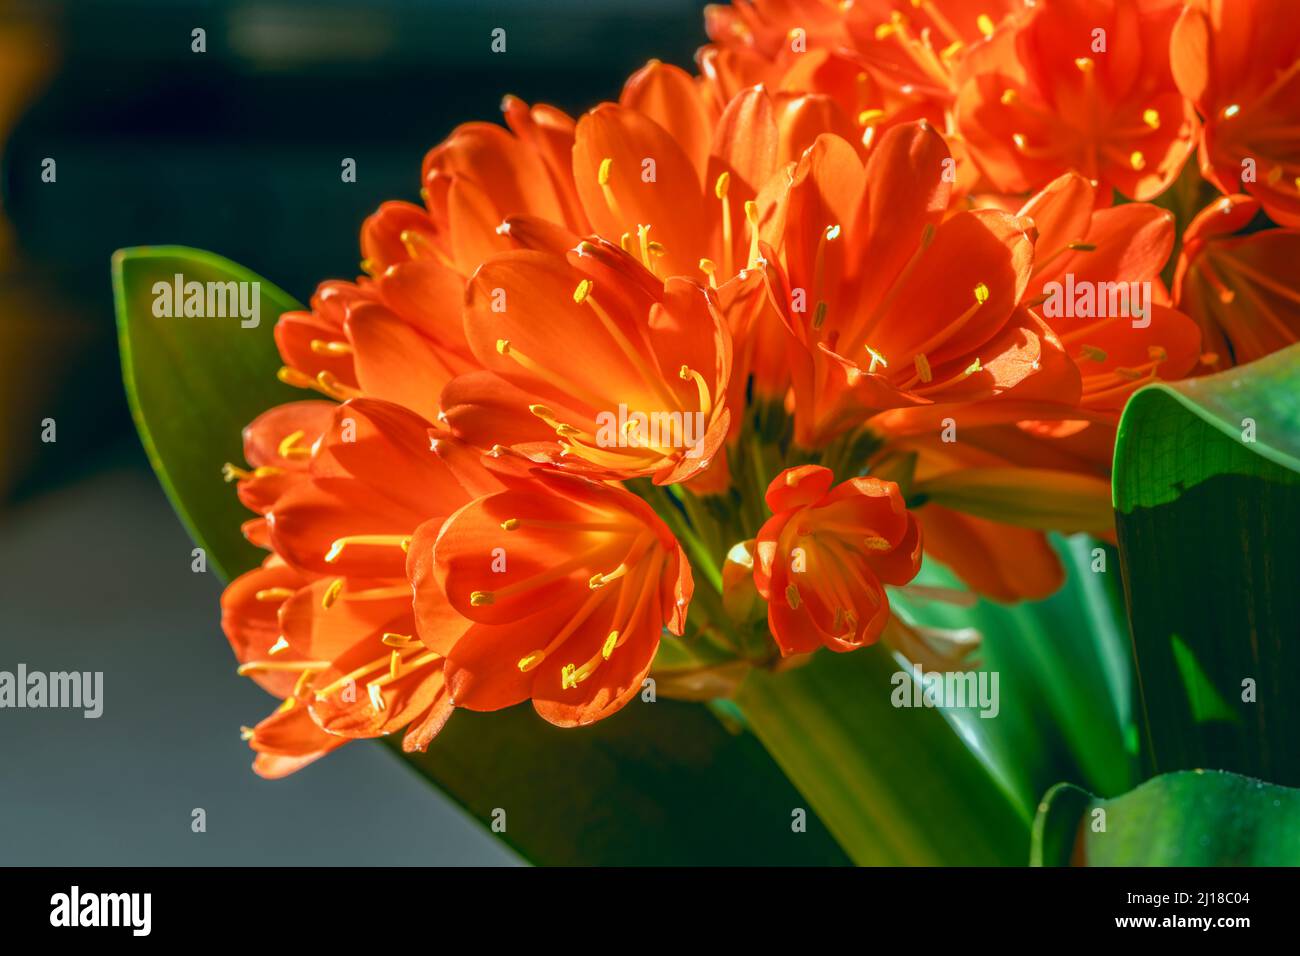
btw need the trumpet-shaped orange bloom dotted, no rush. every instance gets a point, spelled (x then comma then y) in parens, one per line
(396, 334)
(897, 307)
(1239, 62)
(1125, 335)
(556, 590)
(1091, 91)
(1242, 290)
(327, 622)
(592, 364)
(824, 555)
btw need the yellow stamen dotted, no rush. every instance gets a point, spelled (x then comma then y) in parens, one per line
(274, 594)
(876, 359)
(529, 661)
(1137, 160)
(331, 593)
(985, 24)
(375, 540)
(323, 347)
(397, 640)
(923, 371)
(481, 598)
(1151, 118)
(289, 447)
(687, 374)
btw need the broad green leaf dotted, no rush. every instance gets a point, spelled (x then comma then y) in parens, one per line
(1207, 499)
(895, 785)
(661, 782)
(1065, 679)
(1187, 818)
(193, 384)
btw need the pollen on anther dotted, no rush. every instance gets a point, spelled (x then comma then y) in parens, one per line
(985, 24)
(602, 175)
(981, 293)
(510, 524)
(582, 291)
(1151, 118)
(481, 598)
(331, 593)
(1137, 160)
(722, 185)
(503, 346)
(611, 642)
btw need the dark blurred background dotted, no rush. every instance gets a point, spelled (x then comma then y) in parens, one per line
(236, 150)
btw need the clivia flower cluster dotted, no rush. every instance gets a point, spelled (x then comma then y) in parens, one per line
(721, 362)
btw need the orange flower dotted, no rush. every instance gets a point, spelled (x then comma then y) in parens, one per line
(396, 334)
(1113, 259)
(1092, 92)
(1243, 290)
(896, 307)
(1239, 62)
(592, 364)
(824, 553)
(555, 590)
(326, 623)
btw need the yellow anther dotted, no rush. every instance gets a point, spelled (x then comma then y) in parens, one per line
(1137, 160)
(708, 266)
(876, 359)
(722, 185)
(1230, 111)
(951, 50)
(510, 524)
(375, 540)
(1009, 97)
(529, 661)
(792, 597)
(870, 117)
(503, 346)
(582, 291)
(751, 212)
(481, 598)
(974, 367)
(331, 593)
(602, 175)
(874, 542)
(568, 676)
(330, 347)
(1019, 140)
(1151, 118)
(985, 24)
(923, 371)
(981, 293)
(1084, 63)
(247, 733)
(611, 642)
(274, 594)
(289, 448)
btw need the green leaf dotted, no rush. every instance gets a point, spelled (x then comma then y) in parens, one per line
(1207, 495)
(193, 384)
(661, 782)
(1064, 678)
(1187, 818)
(895, 785)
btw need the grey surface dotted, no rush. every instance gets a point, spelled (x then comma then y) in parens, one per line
(96, 577)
